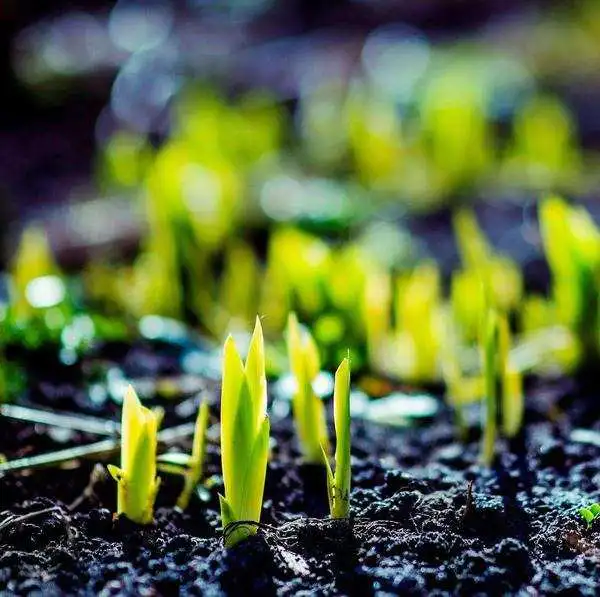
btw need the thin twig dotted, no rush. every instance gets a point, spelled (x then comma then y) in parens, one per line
(16, 519)
(98, 473)
(102, 448)
(72, 421)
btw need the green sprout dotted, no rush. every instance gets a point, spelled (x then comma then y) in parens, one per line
(338, 484)
(309, 410)
(136, 478)
(417, 307)
(543, 152)
(572, 247)
(376, 312)
(501, 277)
(513, 403)
(490, 372)
(502, 383)
(33, 260)
(590, 513)
(195, 467)
(461, 389)
(244, 438)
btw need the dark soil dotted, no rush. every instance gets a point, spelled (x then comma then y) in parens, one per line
(427, 519)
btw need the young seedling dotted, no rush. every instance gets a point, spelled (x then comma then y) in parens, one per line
(590, 513)
(461, 389)
(417, 309)
(376, 311)
(572, 247)
(501, 276)
(33, 260)
(513, 403)
(196, 463)
(244, 438)
(136, 478)
(491, 342)
(338, 484)
(308, 408)
(503, 385)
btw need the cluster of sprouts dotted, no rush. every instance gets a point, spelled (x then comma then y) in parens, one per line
(480, 339)
(245, 445)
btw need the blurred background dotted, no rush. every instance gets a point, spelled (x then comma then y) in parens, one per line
(419, 102)
(188, 156)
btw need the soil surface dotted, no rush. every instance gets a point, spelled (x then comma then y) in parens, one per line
(426, 517)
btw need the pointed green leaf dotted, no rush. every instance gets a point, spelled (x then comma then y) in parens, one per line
(254, 479)
(587, 515)
(227, 514)
(490, 370)
(255, 374)
(115, 472)
(231, 389)
(199, 445)
(341, 405)
(330, 480)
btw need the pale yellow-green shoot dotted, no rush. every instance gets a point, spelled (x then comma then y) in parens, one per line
(572, 246)
(461, 389)
(513, 404)
(501, 276)
(338, 483)
(195, 467)
(417, 308)
(376, 312)
(244, 438)
(136, 478)
(241, 270)
(308, 408)
(503, 385)
(544, 152)
(491, 366)
(33, 260)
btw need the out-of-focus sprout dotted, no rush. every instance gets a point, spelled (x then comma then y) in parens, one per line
(195, 467)
(375, 137)
(254, 128)
(376, 310)
(455, 130)
(33, 265)
(501, 277)
(325, 139)
(300, 262)
(536, 313)
(308, 408)
(241, 271)
(572, 247)
(338, 483)
(513, 403)
(417, 308)
(244, 438)
(544, 152)
(503, 385)
(124, 160)
(152, 285)
(493, 365)
(461, 389)
(349, 267)
(510, 381)
(136, 478)
(467, 300)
